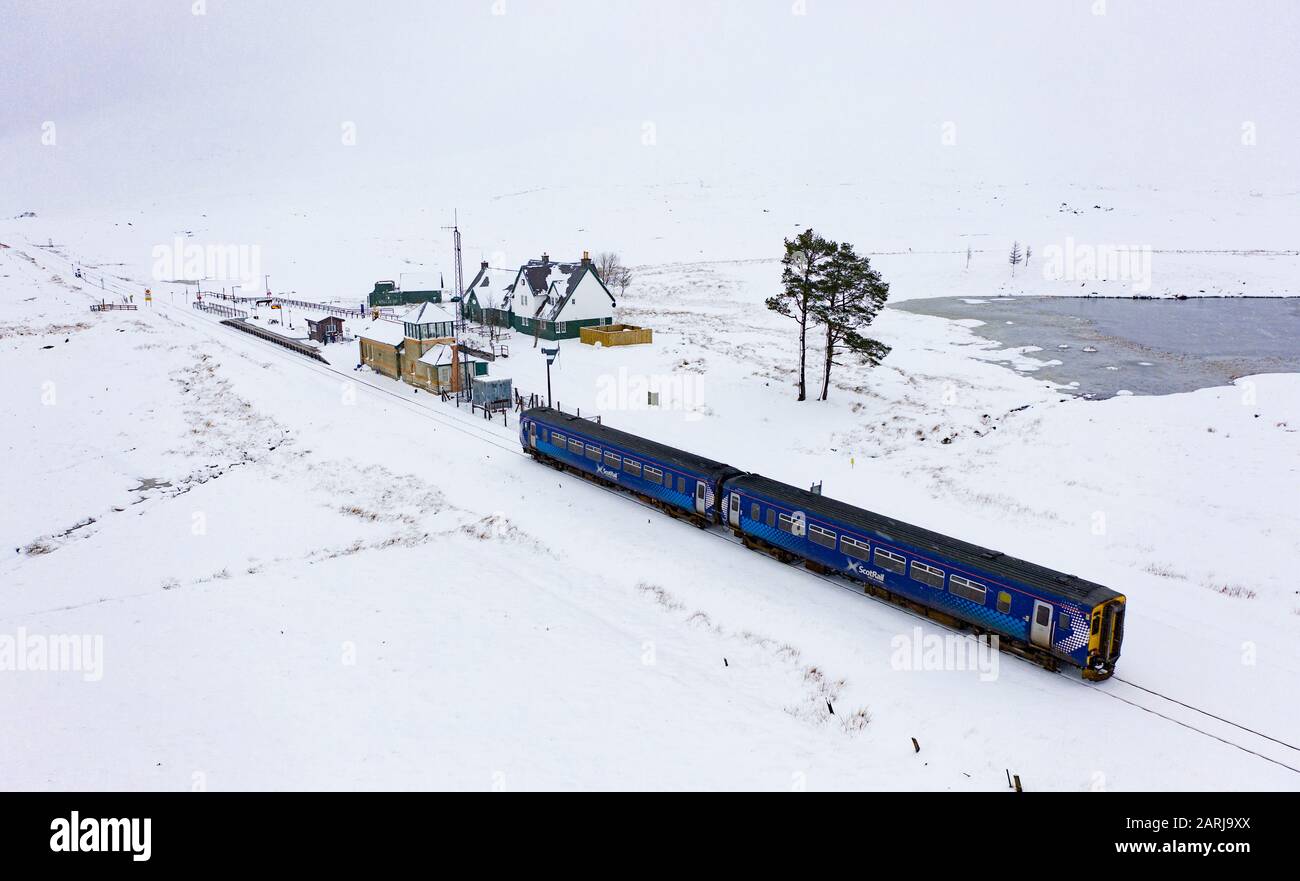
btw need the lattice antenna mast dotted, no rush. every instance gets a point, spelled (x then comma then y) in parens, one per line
(460, 272)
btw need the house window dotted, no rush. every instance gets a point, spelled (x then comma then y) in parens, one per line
(559, 326)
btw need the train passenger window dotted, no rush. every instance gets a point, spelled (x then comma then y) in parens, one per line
(593, 453)
(631, 466)
(575, 446)
(557, 439)
(681, 484)
(784, 523)
(819, 536)
(851, 547)
(966, 589)
(1004, 602)
(890, 561)
(927, 574)
(753, 512)
(771, 517)
(654, 475)
(613, 460)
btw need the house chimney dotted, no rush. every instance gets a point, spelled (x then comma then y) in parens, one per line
(484, 264)
(586, 258)
(546, 258)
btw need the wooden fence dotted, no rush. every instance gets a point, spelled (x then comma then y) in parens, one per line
(616, 335)
(215, 309)
(112, 307)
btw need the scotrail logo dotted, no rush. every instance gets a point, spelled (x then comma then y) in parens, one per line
(607, 473)
(947, 652)
(863, 571)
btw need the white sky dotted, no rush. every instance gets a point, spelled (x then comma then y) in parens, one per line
(1148, 90)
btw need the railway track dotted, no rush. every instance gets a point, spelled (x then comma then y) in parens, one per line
(1235, 735)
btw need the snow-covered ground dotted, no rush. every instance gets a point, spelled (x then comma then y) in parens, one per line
(306, 578)
(291, 574)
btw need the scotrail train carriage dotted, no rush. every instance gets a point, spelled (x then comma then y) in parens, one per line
(681, 483)
(1046, 616)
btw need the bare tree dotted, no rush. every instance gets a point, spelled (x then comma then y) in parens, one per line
(616, 276)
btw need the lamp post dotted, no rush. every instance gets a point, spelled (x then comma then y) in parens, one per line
(550, 359)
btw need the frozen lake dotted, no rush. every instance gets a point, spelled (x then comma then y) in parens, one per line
(1148, 347)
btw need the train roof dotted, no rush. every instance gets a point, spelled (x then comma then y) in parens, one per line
(1031, 574)
(662, 452)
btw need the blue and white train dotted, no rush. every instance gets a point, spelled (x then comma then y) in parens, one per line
(1048, 617)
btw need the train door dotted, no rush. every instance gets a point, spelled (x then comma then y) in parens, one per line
(532, 435)
(701, 497)
(733, 510)
(1040, 628)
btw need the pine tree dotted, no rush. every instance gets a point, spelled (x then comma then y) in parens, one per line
(803, 277)
(1014, 259)
(853, 294)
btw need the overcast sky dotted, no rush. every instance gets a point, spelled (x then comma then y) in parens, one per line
(1023, 88)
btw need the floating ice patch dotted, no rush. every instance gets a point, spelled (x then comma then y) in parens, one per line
(1125, 392)
(1144, 364)
(1090, 348)
(971, 302)
(1111, 367)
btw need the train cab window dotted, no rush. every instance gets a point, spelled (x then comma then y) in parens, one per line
(753, 512)
(1065, 622)
(851, 547)
(1096, 624)
(927, 574)
(1004, 602)
(771, 518)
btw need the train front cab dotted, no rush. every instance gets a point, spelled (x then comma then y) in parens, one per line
(1105, 637)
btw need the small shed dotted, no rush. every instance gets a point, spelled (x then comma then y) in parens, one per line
(328, 329)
